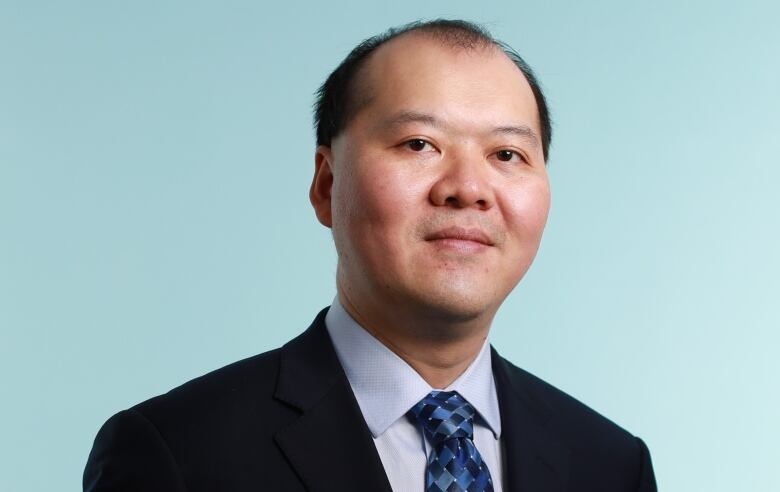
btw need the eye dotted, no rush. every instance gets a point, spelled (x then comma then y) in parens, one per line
(417, 144)
(508, 156)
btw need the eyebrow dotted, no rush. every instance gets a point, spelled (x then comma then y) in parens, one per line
(519, 130)
(404, 117)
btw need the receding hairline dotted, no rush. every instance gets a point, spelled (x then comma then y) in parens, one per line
(458, 39)
(345, 90)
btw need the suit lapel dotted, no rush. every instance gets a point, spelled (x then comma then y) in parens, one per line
(534, 459)
(329, 445)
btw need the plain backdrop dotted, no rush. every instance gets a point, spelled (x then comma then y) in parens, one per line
(155, 159)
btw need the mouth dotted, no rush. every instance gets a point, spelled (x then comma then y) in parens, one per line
(461, 238)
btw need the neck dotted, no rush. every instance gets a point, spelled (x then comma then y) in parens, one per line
(438, 350)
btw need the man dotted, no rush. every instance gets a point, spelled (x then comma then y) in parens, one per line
(430, 171)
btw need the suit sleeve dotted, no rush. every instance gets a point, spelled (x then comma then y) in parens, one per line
(130, 455)
(646, 474)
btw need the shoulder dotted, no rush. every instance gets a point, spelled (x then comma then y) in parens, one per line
(224, 404)
(222, 420)
(251, 377)
(564, 410)
(597, 445)
(221, 398)
(235, 399)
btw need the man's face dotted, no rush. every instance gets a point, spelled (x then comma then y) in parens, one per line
(436, 191)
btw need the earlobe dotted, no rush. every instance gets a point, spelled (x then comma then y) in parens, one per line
(322, 185)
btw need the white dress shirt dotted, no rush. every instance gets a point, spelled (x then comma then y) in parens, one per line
(386, 387)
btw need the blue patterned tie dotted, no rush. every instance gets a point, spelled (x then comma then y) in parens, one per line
(454, 464)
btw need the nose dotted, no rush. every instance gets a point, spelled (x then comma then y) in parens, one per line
(463, 183)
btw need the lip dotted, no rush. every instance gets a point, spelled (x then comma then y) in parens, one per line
(461, 234)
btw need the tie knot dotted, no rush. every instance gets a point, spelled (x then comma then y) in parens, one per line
(444, 415)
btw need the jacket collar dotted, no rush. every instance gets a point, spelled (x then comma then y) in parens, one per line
(534, 458)
(329, 445)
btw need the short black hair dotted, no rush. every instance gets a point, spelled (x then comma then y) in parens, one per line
(336, 104)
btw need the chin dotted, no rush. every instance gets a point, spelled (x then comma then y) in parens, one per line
(455, 305)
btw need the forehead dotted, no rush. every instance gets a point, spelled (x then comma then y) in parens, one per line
(417, 72)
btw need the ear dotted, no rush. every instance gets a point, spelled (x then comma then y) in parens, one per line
(322, 185)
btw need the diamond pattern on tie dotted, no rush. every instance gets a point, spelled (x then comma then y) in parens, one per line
(454, 464)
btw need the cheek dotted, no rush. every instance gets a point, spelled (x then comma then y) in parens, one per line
(374, 203)
(378, 194)
(527, 211)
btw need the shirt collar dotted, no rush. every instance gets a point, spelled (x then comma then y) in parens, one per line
(386, 387)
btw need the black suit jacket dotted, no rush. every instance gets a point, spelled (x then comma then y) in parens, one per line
(287, 420)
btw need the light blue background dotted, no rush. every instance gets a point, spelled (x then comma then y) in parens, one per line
(155, 159)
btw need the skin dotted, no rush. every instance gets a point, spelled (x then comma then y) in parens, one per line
(437, 195)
